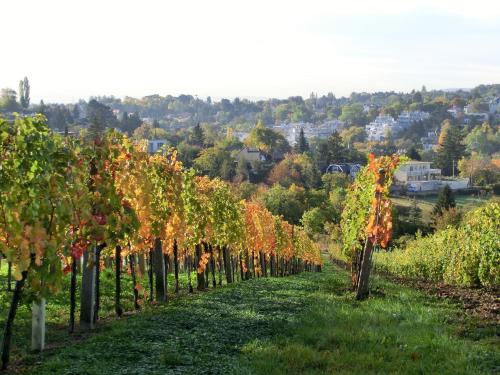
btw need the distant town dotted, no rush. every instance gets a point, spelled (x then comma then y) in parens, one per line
(335, 133)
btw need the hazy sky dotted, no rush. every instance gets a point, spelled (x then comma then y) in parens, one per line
(72, 49)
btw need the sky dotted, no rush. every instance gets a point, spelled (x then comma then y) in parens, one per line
(71, 49)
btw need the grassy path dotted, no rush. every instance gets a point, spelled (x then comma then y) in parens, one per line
(306, 324)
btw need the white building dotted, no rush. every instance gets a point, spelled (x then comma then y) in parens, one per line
(156, 144)
(455, 111)
(250, 154)
(405, 119)
(416, 171)
(291, 131)
(378, 128)
(469, 111)
(494, 105)
(418, 176)
(430, 141)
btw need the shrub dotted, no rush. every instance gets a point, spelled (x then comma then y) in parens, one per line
(465, 255)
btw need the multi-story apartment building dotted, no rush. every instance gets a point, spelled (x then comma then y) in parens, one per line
(378, 128)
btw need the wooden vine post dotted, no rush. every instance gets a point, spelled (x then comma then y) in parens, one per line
(87, 304)
(159, 270)
(371, 242)
(38, 325)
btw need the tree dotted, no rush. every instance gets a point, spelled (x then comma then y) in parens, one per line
(295, 169)
(450, 150)
(21, 95)
(482, 170)
(314, 221)
(8, 100)
(353, 134)
(415, 213)
(215, 162)
(156, 125)
(285, 202)
(267, 140)
(331, 181)
(42, 108)
(353, 114)
(100, 117)
(130, 122)
(301, 146)
(146, 131)
(483, 139)
(337, 152)
(24, 93)
(197, 136)
(242, 171)
(445, 201)
(413, 154)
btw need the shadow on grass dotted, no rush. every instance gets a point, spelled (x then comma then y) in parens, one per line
(396, 331)
(305, 324)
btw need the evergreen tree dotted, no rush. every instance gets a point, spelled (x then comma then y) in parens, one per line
(197, 136)
(97, 126)
(301, 146)
(337, 152)
(415, 213)
(156, 125)
(413, 154)
(100, 116)
(451, 149)
(445, 201)
(21, 95)
(130, 122)
(42, 108)
(24, 93)
(26, 85)
(76, 113)
(242, 170)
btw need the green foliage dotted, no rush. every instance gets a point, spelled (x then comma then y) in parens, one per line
(358, 204)
(337, 152)
(146, 131)
(215, 162)
(445, 201)
(130, 123)
(297, 169)
(302, 145)
(100, 117)
(451, 149)
(267, 140)
(197, 137)
(468, 255)
(483, 139)
(8, 100)
(187, 153)
(448, 218)
(285, 202)
(314, 221)
(331, 181)
(415, 213)
(353, 114)
(36, 192)
(355, 214)
(24, 93)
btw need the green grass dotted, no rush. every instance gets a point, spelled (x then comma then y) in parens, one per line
(305, 324)
(426, 203)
